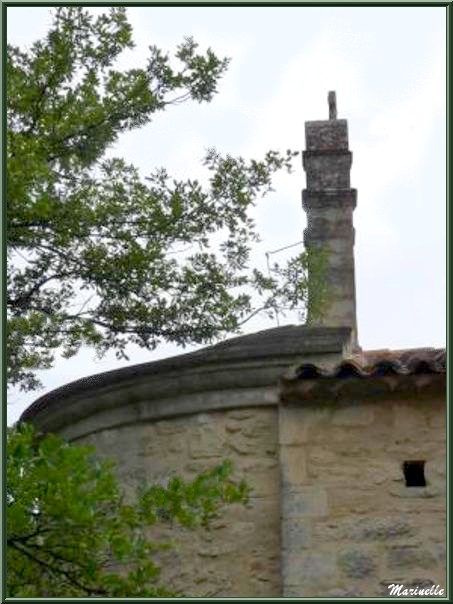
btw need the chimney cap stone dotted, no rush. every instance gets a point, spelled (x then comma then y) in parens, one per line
(332, 100)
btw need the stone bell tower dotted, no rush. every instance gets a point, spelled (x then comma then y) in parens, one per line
(329, 203)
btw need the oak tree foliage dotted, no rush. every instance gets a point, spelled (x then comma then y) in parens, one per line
(94, 248)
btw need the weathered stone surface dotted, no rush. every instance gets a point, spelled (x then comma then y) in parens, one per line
(327, 163)
(240, 414)
(357, 563)
(364, 529)
(342, 592)
(239, 443)
(303, 502)
(233, 426)
(327, 170)
(354, 415)
(348, 467)
(298, 425)
(357, 460)
(405, 492)
(263, 483)
(436, 472)
(326, 135)
(310, 569)
(292, 430)
(293, 466)
(243, 434)
(207, 442)
(166, 427)
(410, 557)
(439, 551)
(346, 500)
(339, 202)
(382, 529)
(321, 455)
(438, 421)
(291, 591)
(296, 535)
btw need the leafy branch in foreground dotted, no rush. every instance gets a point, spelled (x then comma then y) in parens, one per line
(97, 254)
(70, 531)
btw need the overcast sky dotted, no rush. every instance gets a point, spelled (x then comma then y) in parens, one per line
(388, 67)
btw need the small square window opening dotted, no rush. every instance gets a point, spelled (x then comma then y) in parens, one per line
(414, 473)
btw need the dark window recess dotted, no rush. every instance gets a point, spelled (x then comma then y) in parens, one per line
(414, 473)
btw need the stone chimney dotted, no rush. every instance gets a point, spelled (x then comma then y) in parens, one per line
(329, 203)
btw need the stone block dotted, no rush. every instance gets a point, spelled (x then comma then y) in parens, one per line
(341, 462)
(305, 502)
(439, 551)
(292, 429)
(321, 455)
(204, 418)
(263, 483)
(404, 492)
(406, 445)
(301, 570)
(174, 444)
(355, 415)
(207, 441)
(326, 135)
(296, 535)
(293, 466)
(421, 507)
(437, 419)
(167, 427)
(343, 592)
(352, 500)
(365, 529)
(337, 203)
(411, 419)
(357, 563)
(382, 529)
(233, 426)
(259, 428)
(327, 171)
(290, 591)
(436, 470)
(240, 414)
(239, 443)
(407, 558)
(298, 426)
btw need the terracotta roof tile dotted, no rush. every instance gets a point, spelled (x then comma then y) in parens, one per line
(376, 363)
(374, 373)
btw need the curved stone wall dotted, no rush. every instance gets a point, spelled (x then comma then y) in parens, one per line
(184, 415)
(240, 555)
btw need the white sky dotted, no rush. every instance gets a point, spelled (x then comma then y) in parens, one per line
(388, 67)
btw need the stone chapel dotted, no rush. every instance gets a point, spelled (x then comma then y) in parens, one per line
(344, 449)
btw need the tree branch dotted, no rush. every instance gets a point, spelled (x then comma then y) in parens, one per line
(56, 571)
(22, 301)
